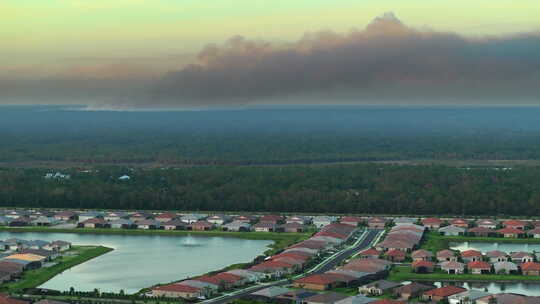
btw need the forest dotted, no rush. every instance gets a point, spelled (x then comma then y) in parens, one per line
(359, 189)
(266, 136)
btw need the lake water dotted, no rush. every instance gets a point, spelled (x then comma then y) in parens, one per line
(528, 289)
(140, 261)
(485, 247)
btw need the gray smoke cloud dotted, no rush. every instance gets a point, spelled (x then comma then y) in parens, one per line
(387, 62)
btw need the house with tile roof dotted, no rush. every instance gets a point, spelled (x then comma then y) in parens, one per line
(442, 293)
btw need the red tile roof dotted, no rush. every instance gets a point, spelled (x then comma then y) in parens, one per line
(471, 253)
(395, 253)
(177, 288)
(510, 230)
(530, 266)
(317, 279)
(444, 291)
(514, 223)
(478, 265)
(370, 251)
(228, 277)
(480, 230)
(431, 220)
(427, 264)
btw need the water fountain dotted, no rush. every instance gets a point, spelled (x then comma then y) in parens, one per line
(190, 241)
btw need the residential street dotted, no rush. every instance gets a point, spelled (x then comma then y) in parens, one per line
(369, 237)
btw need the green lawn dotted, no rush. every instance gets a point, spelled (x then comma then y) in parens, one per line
(34, 278)
(404, 273)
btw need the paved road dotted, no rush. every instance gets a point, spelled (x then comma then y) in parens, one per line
(338, 258)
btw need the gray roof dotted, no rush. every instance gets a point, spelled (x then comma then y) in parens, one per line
(471, 294)
(508, 266)
(122, 222)
(271, 292)
(358, 299)
(330, 297)
(451, 228)
(382, 284)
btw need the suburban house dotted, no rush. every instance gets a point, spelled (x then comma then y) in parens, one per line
(274, 268)
(442, 293)
(369, 253)
(471, 255)
(89, 215)
(521, 257)
(510, 232)
(177, 291)
(267, 295)
(175, 224)
(421, 255)
(317, 282)
(412, 290)
(271, 218)
(219, 219)
(323, 220)
(140, 216)
(481, 232)
(21, 221)
(452, 230)
(58, 246)
(404, 221)
(201, 226)
(115, 215)
(479, 267)
(302, 220)
(166, 217)
(244, 218)
(237, 226)
(516, 224)
(452, 267)
(460, 223)
(378, 288)
(45, 221)
(122, 223)
(467, 297)
(65, 216)
(505, 267)
(535, 233)
(395, 255)
(265, 227)
(351, 220)
(294, 296)
(530, 269)
(422, 266)
(191, 218)
(325, 298)
(496, 256)
(148, 224)
(446, 255)
(432, 222)
(376, 223)
(293, 227)
(95, 222)
(487, 223)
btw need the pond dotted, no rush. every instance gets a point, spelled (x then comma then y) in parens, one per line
(528, 289)
(485, 247)
(140, 261)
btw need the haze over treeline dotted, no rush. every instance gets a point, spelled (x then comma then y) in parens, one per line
(293, 135)
(387, 62)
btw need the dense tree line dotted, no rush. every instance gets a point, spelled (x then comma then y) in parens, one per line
(369, 188)
(272, 136)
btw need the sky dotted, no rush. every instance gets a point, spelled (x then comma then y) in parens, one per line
(224, 52)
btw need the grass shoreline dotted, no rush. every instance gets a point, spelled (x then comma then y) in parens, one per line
(34, 278)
